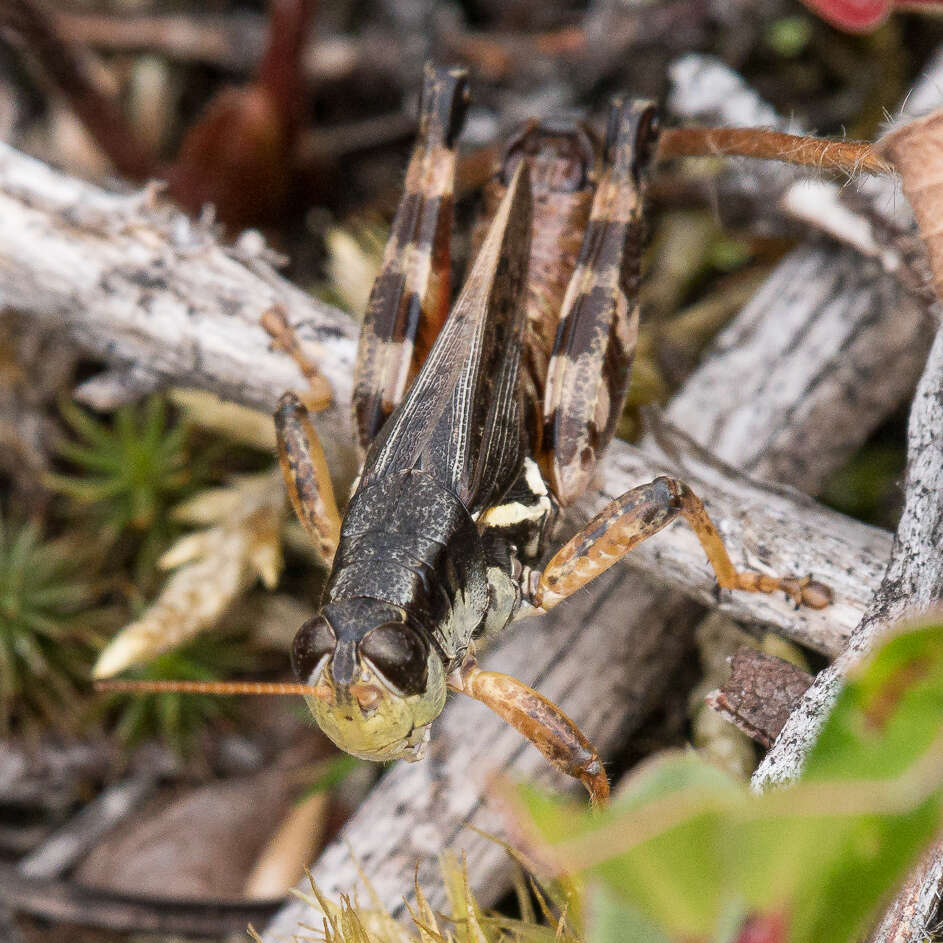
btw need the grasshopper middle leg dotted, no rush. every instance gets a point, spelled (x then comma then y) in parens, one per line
(637, 515)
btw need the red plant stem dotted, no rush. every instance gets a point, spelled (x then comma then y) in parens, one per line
(280, 68)
(849, 157)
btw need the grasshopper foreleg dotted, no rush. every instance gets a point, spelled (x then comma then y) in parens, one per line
(540, 721)
(318, 396)
(637, 515)
(306, 475)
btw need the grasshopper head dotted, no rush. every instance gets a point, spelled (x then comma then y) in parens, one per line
(387, 684)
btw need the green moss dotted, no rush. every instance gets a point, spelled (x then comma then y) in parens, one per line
(47, 629)
(125, 474)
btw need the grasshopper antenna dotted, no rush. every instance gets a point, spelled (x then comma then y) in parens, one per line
(320, 691)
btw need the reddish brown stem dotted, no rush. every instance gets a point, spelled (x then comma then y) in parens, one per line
(849, 157)
(280, 69)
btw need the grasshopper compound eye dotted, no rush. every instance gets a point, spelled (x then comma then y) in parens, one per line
(313, 645)
(399, 654)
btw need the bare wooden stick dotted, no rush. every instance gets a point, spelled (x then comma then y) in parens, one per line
(913, 583)
(136, 282)
(60, 851)
(184, 324)
(829, 332)
(768, 529)
(66, 66)
(914, 579)
(706, 91)
(913, 909)
(233, 41)
(72, 903)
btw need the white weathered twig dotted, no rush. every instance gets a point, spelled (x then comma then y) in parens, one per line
(861, 215)
(767, 529)
(142, 285)
(913, 583)
(909, 915)
(61, 850)
(155, 294)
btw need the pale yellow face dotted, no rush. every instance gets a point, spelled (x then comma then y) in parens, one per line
(381, 725)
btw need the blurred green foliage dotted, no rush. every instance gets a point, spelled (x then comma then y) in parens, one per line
(47, 629)
(789, 36)
(685, 852)
(868, 487)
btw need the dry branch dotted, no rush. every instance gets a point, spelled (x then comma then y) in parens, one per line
(71, 903)
(913, 909)
(766, 528)
(233, 42)
(913, 583)
(866, 215)
(61, 850)
(141, 285)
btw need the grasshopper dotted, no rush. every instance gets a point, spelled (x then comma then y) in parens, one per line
(478, 423)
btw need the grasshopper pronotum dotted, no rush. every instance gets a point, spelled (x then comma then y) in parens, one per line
(478, 423)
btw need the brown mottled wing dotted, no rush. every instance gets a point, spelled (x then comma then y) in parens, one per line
(561, 157)
(588, 376)
(410, 298)
(461, 419)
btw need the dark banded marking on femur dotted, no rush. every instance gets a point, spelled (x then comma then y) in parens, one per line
(588, 375)
(561, 157)
(410, 298)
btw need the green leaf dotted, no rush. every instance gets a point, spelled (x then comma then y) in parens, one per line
(888, 714)
(888, 717)
(612, 920)
(689, 850)
(665, 836)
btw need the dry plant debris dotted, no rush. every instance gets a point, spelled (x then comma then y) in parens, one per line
(213, 567)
